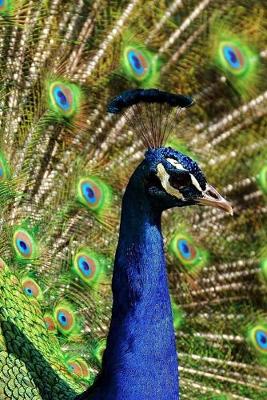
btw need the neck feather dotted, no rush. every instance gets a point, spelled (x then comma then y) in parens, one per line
(140, 361)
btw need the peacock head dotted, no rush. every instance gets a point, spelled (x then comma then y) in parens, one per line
(170, 178)
(173, 179)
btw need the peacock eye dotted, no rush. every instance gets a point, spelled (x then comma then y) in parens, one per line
(180, 180)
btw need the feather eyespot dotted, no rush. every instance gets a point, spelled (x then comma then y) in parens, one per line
(139, 64)
(24, 244)
(261, 339)
(258, 338)
(49, 323)
(65, 318)
(75, 368)
(191, 256)
(78, 367)
(31, 289)
(64, 98)
(93, 193)
(234, 55)
(87, 265)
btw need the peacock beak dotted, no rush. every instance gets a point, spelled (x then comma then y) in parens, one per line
(211, 197)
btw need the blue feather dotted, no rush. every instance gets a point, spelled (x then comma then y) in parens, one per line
(135, 96)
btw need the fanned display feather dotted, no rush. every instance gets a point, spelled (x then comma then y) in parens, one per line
(65, 161)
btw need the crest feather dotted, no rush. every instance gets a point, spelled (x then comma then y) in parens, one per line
(151, 113)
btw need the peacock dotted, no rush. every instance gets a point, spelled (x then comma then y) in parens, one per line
(91, 94)
(140, 360)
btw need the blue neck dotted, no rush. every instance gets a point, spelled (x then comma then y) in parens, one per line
(140, 362)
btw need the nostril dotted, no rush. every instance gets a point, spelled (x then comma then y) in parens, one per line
(212, 194)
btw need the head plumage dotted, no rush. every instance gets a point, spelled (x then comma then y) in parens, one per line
(151, 113)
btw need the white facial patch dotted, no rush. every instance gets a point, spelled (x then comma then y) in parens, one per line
(176, 164)
(164, 179)
(195, 183)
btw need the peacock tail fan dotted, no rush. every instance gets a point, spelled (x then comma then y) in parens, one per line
(65, 163)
